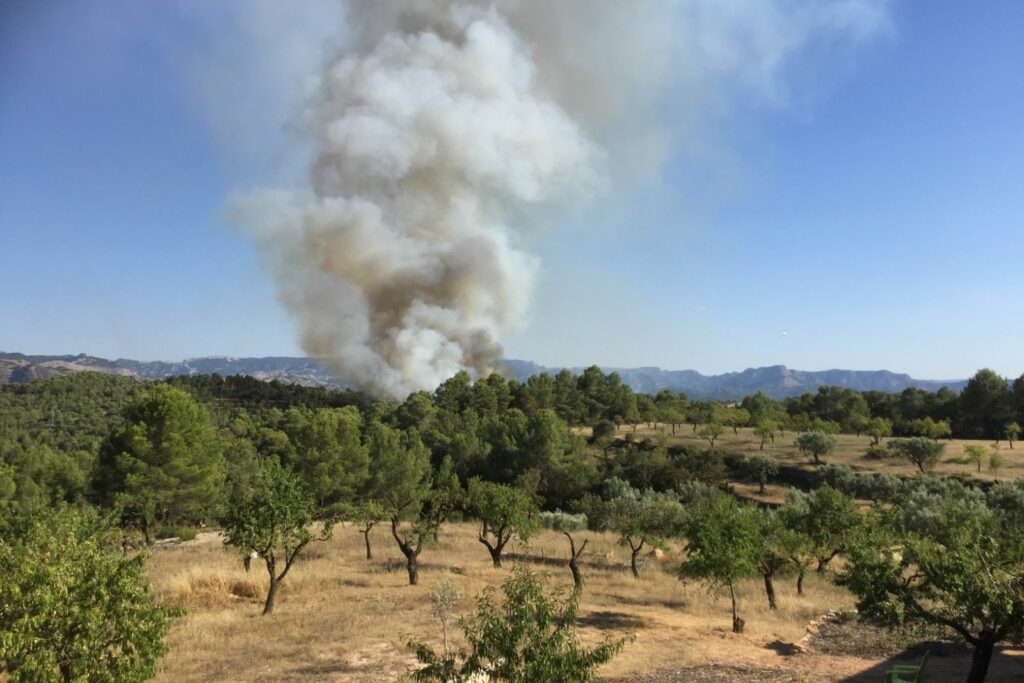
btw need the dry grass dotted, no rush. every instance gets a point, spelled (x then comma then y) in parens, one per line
(342, 618)
(850, 451)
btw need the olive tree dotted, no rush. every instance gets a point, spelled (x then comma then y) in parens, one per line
(976, 453)
(878, 428)
(778, 547)
(73, 606)
(274, 519)
(366, 515)
(765, 430)
(924, 452)
(503, 511)
(816, 444)
(710, 432)
(1011, 432)
(826, 516)
(759, 468)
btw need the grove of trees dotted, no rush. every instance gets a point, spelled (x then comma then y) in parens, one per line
(91, 463)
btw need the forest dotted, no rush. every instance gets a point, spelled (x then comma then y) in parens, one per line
(102, 467)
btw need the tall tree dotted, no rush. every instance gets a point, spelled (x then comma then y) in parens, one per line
(984, 406)
(330, 455)
(165, 465)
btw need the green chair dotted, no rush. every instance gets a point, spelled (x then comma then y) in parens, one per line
(907, 673)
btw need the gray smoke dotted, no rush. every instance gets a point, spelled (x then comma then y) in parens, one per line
(442, 128)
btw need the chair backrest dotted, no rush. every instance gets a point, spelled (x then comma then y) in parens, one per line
(920, 671)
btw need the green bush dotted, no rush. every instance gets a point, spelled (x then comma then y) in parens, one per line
(529, 637)
(878, 453)
(73, 606)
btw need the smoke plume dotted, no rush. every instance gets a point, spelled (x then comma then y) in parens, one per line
(441, 127)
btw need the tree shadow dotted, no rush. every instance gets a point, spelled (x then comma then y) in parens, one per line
(948, 662)
(608, 620)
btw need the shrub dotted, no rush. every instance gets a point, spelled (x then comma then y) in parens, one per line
(877, 453)
(73, 606)
(528, 637)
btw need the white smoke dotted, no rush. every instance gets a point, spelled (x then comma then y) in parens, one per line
(441, 126)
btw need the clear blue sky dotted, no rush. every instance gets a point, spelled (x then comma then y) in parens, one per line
(879, 221)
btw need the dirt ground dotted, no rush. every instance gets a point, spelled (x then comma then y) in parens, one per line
(343, 618)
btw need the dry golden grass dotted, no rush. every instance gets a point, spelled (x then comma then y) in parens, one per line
(850, 451)
(340, 617)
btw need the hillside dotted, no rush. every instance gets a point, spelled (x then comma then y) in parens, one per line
(777, 381)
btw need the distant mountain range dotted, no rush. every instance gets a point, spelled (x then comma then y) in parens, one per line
(777, 381)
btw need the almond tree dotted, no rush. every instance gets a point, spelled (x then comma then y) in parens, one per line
(960, 570)
(73, 606)
(275, 520)
(642, 519)
(416, 500)
(528, 636)
(723, 544)
(568, 524)
(503, 511)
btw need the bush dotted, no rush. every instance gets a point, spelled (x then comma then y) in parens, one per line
(73, 606)
(529, 636)
(877, 453)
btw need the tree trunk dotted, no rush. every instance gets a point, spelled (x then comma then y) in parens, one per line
(574, 556)
(737, 622)
(761, 486)
(980, 660)
(411, 566)
(577, 577)
(275, 583)
(495, 556)
(800, 582)
(632, 559)
(366, 537)
(822, 565)
(769, 588)
(499, 545)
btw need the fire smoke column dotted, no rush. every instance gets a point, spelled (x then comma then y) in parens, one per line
(399, 264)
(443, 126)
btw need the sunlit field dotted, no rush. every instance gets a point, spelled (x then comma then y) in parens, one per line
(342, 618)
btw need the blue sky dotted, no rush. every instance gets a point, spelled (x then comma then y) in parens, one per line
(875, 214)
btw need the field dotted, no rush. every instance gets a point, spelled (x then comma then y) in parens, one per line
(849, 451)
(343, 618)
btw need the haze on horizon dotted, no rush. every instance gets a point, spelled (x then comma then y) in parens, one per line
(847, 177)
